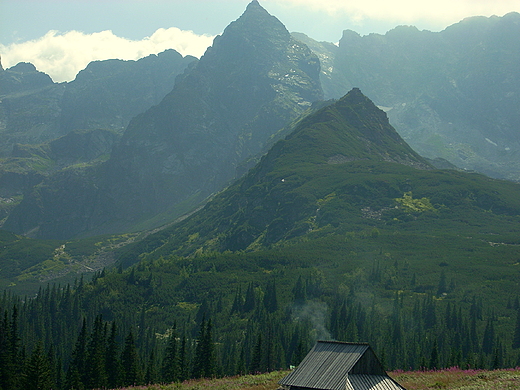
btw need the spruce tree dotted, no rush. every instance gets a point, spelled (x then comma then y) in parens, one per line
(198, 360)
(152, 374)
(76, 373)
(5, 357)
(300, 352)
(170, 366)
(256, 358)
(112, 362)
(488, 339)
(434, 357)
(37, 373)
(16, 360)
(130, 362)
(442, 286)
(238, 302)
(299, 291)
(184, 363)
(270, 298)
(250, 300)
(204, 365)
(516, 335)
(210, 362)
(96, 357)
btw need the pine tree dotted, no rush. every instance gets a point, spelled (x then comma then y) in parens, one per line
(256, 358)
(130, 362)
(112, 362)
(434, 357)
(516, 336)
(76, 373)
(170, 366)
(488, 339)
(250, 300)
(238, 302)
(152, 374)
(96, 357)
(270, 298)
(37, 375)
(442, 287)
(204, 365)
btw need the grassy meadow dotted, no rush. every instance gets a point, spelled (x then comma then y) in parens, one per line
(448, 379)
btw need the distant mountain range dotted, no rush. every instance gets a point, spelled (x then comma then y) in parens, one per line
(452, 94)
(170, 131)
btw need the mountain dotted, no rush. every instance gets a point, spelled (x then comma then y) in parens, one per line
(47, 126)
(29, 106)
(106, 94)
(343, 168)
(247, 86)
(450, 94)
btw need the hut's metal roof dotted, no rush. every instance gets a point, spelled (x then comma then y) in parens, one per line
(327, 367)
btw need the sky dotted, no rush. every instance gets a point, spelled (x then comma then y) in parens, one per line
(60, 37)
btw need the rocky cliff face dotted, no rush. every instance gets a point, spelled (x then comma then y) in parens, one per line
(249, 84)
(108, 94)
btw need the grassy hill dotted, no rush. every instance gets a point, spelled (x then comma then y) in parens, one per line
(450, 379)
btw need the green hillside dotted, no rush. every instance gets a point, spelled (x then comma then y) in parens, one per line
(341, 232)
(343, 169)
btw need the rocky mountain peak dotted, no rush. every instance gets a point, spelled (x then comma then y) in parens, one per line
(249, 84)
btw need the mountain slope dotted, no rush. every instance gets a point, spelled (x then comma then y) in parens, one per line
(249, 84)
(343, 168)
(46, 126)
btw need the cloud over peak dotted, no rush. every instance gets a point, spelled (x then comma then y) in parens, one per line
(63, 55)
(436, 12)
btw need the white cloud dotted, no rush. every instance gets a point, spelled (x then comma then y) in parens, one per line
(437, 12)
(62, 56)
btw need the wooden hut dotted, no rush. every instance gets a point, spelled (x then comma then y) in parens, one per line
(334, 365)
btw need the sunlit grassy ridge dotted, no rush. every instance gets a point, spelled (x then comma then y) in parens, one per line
(448, 379)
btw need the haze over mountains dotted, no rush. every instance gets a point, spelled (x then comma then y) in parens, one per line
(226, 108)
(450, 94)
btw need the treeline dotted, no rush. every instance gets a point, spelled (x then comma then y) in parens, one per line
(72, 338)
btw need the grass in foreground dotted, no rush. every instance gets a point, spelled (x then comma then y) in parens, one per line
(268, 381)
(448, 379)
(457, 379)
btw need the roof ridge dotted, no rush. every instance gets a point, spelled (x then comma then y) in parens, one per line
(344, 342)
